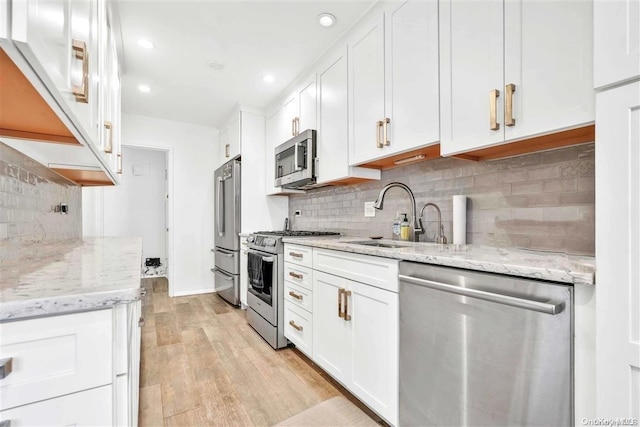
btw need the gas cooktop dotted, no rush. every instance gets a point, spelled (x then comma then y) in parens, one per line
(297, 233)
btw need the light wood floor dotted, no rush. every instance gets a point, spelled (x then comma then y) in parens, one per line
(202, 364)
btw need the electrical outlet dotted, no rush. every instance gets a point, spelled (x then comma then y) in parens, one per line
(369, 210)
(297, 213)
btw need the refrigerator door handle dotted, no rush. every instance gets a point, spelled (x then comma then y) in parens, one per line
(527, 304)
(228, 254)
(220, 207)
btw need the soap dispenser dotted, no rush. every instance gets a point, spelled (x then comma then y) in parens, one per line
(404, 228)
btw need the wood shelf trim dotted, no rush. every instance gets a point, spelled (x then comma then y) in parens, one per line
(85, 178)
(24, 114)
(551, 141)
(430, 152)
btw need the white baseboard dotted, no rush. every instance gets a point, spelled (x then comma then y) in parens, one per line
(196, 292)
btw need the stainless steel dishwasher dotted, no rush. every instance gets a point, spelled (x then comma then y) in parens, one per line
(480, 349)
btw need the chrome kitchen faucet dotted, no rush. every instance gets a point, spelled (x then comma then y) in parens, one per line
(417, 227)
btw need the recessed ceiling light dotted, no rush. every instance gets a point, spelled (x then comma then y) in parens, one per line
(144, 88)
(326, 19)
(146, 44)
(268, 78)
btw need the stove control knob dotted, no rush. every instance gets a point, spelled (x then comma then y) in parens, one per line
(250, 239)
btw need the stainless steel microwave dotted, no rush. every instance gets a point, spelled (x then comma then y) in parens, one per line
(296, 161)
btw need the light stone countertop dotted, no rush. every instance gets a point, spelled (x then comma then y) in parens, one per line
(74, 275)
(551, 266)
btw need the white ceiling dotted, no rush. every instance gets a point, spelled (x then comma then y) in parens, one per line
(251, 39)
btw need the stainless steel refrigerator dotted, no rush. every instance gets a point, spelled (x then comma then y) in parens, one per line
(226, 229)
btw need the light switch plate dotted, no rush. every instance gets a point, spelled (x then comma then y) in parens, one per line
(369, 210)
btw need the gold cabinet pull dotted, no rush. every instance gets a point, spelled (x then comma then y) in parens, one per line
(295, 254)
(295, 275)
(293, 127)
(346, 294)
(493, 109)
(81, 92)
(119, 163)
(340, 313)
(109, 147)
(226, 150)
(508, 105)
(294, 326)
(385, 125)
(296, 296)
(378, 126)
(296, 122)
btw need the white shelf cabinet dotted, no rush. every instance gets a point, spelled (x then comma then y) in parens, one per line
(230, 138)
(299, 109)
(617, 252)
(525, 60)
(393, 81)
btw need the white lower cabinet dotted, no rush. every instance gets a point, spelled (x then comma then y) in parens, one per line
(64, 366)
(87, 408)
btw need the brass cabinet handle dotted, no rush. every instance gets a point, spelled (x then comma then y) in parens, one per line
(508, 105)
(6, 366)
(296, 296)
(378, 126)
(493, 109)
(340, 313)
(296, 122)
(80, 52)
(295, 275)
(119, 164)
(226, 150)
(346, 294)
(294, 326)
(295, 254)
(109, 148)
(385, 124)
(293, 127)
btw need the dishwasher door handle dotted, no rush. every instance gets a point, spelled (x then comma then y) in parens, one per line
(542, 307)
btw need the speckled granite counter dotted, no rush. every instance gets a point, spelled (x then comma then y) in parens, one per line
(531, 264)
(70, 276)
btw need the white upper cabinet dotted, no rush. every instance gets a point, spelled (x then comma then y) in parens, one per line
(510, 70)
(59, 40)
(393, 79)
(299, 109)
(110, 136)
(616, 41)
(333, 123)
(230, 144)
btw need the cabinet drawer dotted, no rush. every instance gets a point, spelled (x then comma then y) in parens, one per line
(56, 355)
(298, 274)
(87, 408)
(299, 296)
(371, 270)
(300, 255)
(298, 327)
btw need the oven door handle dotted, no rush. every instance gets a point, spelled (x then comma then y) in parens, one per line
(268, 259)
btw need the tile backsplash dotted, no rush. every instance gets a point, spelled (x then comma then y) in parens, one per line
(543, 201)
(29, 193)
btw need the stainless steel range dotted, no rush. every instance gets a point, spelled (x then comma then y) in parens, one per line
(265, 268)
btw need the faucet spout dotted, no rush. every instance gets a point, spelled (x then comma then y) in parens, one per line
(417, 226)
(440, 238)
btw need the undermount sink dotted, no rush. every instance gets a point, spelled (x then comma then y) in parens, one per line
(378, 244)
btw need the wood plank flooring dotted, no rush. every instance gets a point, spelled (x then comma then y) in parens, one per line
(203, 365)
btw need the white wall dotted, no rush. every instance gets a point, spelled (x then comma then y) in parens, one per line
(192, 151)
(136, 207)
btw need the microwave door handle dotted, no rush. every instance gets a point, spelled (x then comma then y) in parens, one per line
(220, 207)
(297, 167)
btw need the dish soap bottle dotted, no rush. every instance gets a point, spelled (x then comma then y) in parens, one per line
(395, 235)
(404, 228)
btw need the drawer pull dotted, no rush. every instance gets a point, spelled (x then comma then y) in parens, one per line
(5, 423)
(295, 275)
(296, 296)
(346, 294)
(340, 313)
(6, 366)
(294, 326)
(295, 254)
